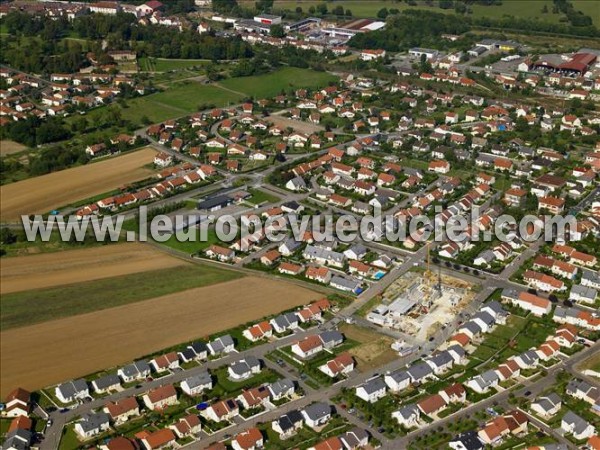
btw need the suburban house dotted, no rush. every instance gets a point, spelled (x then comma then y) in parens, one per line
(288, 424)
(223, 344)
(17, 403)
(223, 410)
(72, 390)
(577, 426)
(408, 416)
(165, 362)
(92, 424)
(372, 390)
(134, 371)
(547, 406)
(251, 439)
(281, 388)
(197, 384)
(161, 397)
(122, 410)
(187, 426)
(158, 439)
(106, 383)
(316, 415)
(340, 365)
(244, 368)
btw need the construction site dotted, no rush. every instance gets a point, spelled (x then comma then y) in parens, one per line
(419, 304)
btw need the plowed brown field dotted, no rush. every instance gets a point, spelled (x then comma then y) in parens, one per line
(25, 273)
(42, 194)
(45, 354)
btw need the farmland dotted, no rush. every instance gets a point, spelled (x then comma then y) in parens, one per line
(67, 300)
(75, 346)
(42, 194)
(77, 266)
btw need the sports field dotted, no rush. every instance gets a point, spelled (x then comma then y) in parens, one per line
(40, 195)
(47, 270)
(50, 352)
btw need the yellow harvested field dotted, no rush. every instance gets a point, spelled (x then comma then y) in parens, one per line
(48, 353)
(10, 147)
(40, 195)
(25, 273)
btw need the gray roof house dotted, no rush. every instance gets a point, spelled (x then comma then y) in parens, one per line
(289, 423)
(18, 439)
(547, 405)
(244, 368)
(344, 284)
(92, 424)
(398, 380)
(200, 349)
(590, 278)
(72, 390)
(106, 383)
(187, 355)
(331, 339)
(482, 383)
(284, 322)
(580, 428)
(281, 388)
(134, 371)
(581, 293)
(316, 414)
(355, 438)
(197, 383)
(420, 372)
(440, 361)
(372, 390)
(223, 344)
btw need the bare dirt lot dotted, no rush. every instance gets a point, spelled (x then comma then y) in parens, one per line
(42, 194)
(45, 354)
(75, 266)
(297, 125)
(374, 349)
(10, 147)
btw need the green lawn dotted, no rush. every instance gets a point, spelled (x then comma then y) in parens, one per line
(40, 305)
(193, 247)
(165, 65)
(259, 197)
(270, 85)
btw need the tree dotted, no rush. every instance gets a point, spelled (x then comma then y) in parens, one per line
(7, 236)
(545, 9)
(348, 13)
(383, 13)
(277, 31)
(322, 8)
(338, 10)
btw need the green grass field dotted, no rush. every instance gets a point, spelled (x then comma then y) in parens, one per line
(183, 98)
(531, 9)
(63, 301)
(165, 65)
(270, 85)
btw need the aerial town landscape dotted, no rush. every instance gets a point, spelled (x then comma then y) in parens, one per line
(273, 114)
